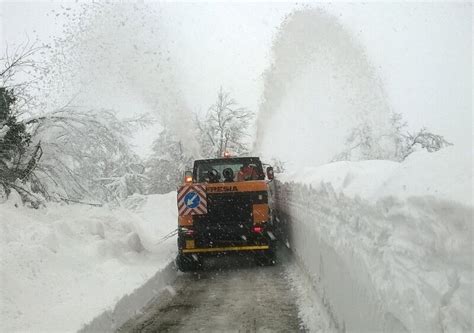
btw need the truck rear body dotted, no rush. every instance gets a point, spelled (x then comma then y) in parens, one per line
(236, 216)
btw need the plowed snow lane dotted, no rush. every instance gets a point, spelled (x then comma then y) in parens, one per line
(232, 294)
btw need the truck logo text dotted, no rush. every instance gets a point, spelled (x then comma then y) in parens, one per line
(222, 189)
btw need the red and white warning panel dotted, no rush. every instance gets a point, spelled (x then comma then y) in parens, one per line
(192, 200)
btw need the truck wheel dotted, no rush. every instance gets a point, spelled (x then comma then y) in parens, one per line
(187, 263)
(265, 258)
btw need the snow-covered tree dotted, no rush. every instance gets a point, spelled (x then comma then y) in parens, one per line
(86, 154)
(17, 160)
(165, 168)
(18, 157)
(14, 139)
(69, 153)
(408, 142)
(363, 144)
(278, 165)
(224, 127)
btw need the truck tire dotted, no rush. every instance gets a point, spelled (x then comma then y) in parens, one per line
(265, 258)
(187, 263)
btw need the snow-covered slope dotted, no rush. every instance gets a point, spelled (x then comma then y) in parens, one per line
(76, 259)
(388, 245)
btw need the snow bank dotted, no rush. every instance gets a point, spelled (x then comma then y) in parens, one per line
(445, 175)
(388, 245)
(63, 265)
(131, 304)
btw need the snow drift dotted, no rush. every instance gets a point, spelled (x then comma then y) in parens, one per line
(78, 259)
(388, 245)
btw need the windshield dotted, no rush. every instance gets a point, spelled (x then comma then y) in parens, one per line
(228, 170)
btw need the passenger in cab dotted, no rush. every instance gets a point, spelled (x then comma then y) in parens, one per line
(247, 172)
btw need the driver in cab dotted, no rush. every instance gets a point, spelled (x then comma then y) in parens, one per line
(247, 172)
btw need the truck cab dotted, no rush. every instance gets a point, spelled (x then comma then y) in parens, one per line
(225, 207)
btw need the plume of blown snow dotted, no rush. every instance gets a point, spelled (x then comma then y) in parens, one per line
(115, 56)
(319, 87)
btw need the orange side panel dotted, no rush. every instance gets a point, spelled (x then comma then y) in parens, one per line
(260, 213)
(185, 220)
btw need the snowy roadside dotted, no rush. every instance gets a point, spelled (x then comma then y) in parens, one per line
(311, 308)
(388, 246)
(64, 265)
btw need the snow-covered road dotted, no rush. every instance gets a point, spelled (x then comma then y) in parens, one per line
(231, 294)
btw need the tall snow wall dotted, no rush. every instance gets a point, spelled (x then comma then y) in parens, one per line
(387, 245)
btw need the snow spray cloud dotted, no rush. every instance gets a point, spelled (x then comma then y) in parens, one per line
(319, 87)
(114, 56)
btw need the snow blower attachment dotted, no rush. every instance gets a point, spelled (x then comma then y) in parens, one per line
(224, 207)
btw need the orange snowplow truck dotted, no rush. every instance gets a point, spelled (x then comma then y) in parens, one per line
(225, 207)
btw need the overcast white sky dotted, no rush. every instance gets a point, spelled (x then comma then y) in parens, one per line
(423, 52)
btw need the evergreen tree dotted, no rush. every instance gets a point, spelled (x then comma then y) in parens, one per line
(14, 139)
